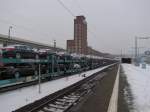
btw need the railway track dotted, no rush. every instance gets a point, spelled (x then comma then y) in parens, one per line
(65, 99)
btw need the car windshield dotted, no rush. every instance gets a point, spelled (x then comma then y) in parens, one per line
(23, 47)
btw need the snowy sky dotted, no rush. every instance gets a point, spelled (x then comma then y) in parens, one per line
(113, 23)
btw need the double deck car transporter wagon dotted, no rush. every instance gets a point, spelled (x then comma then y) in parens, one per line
(51, 65)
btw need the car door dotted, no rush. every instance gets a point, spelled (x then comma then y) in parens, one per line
(25, 69)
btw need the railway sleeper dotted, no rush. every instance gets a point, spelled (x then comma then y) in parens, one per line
(50, 109)
(58, 106)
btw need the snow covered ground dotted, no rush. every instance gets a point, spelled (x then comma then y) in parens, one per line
(13, 100)
(139, 80)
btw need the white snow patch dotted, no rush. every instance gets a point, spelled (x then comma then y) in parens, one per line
(15, 99)
(139, 80)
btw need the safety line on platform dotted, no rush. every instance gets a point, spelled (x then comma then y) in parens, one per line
(113, 104)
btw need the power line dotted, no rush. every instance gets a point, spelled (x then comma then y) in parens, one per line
(79, 6)
(66, 8)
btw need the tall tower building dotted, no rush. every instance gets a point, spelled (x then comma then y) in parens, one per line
(79, 44)
(80, 35)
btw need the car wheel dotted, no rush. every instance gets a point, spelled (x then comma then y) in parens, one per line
(18, 56)
(17, 75)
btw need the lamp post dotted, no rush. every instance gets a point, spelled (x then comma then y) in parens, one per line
(136, 47)
(55, 46)
(7, 41)
(10, 27)
(54, 43)
(39, 78)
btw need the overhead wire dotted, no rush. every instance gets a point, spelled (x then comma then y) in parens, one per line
(66, 8)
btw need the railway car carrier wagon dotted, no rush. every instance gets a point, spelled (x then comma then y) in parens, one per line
(20, 64)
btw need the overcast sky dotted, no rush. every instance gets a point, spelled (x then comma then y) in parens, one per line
(113, 24)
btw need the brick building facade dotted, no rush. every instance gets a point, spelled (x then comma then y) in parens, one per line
(79, 44)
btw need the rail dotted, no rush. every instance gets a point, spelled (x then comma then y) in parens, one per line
(66, 92)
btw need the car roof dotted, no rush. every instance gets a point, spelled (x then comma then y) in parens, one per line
(14, 45)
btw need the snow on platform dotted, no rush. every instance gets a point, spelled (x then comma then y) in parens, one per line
(139, 80)
(15, 99)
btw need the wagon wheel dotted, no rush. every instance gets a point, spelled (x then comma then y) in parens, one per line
(17, 75)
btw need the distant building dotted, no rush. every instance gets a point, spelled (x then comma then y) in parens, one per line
(70, 46)
(79, 44)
